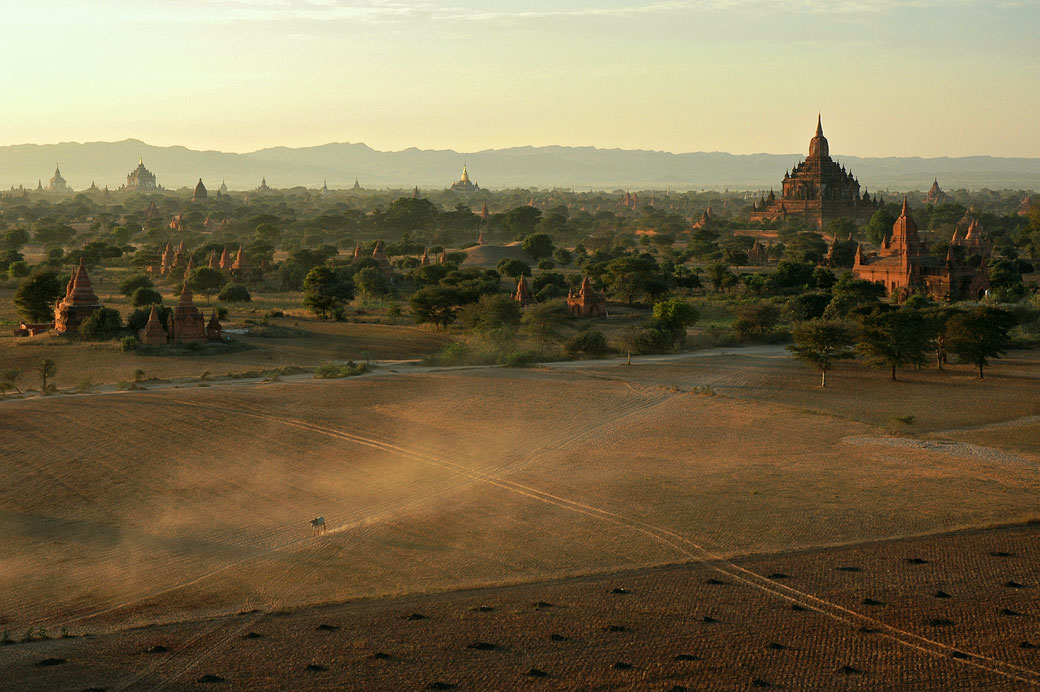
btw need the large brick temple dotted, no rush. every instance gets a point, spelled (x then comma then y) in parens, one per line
(817, 190)
(903, 264)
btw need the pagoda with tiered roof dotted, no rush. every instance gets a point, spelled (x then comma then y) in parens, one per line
(818, 189)
(79, 303)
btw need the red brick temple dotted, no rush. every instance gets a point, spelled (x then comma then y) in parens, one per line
(817, 190)
(79, 303)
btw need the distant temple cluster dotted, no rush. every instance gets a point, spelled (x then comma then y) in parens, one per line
(903, 264)
(186, 325)
(817, 190)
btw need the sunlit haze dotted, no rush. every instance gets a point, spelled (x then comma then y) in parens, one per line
(892, 78)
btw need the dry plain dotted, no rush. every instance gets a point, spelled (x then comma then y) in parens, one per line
(716, 508)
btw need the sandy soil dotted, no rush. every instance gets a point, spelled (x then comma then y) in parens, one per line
(177, 506)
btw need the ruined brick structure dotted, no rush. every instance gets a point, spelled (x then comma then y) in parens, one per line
(79, 303)
(588, 302)
(904, 266)
(817, 190)
(186, 323)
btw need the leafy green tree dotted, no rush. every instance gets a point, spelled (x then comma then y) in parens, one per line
(806, 247)
(324, 291)
(35, 297)
(513, 268)
(674, 317)
(9, 380)
(234, 293)
(544, 320)
(371, 282)
(267, 233)
(437, 305)
(407, 214)
(46, 369)
(979, 335)
(538, 245)
(879, 228)
(822, 342)
(18, 270)
(1005, 280)
(720, 276)
(634, 276)
(130, 285)
(894, 338)
(491, 312)
(207, 280)
(563, 256)
(853, 294)
(521, 221)
(102, 325)
(14, 239)
(145, 296)
(936, 318)
(588, 343)
(756, 321)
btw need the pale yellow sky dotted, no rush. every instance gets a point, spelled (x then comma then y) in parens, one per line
(892, 77)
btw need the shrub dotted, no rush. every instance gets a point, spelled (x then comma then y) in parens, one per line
(520, 359)
(104, 324)
(235, 293)
(589, 343)
(145, 296)
(332, 371)
(130, 286)
(128, 344)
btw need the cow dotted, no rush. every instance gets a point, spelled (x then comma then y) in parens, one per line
(317, 526)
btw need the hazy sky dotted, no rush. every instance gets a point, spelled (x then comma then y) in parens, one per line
(892, 77)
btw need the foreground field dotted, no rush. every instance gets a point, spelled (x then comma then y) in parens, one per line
(168, 506)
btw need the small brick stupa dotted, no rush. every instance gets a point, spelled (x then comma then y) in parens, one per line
(523, 292)
(214, 332)
(242, 270)
(153, 333)
(186, 323)
(79, 303)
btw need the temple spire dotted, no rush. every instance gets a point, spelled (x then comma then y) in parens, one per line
(906, 207)
(819, 125)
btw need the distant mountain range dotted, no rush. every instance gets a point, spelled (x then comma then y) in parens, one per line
(108, 163)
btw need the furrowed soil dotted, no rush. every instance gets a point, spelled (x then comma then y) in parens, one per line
(721, 509)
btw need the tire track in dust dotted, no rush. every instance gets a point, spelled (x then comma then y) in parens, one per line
(694, 552)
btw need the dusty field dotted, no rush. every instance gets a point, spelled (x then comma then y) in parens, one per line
(136, 508)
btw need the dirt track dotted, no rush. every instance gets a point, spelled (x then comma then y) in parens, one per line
(441, 481)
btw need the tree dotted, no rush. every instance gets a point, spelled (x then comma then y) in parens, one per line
(491, 312)
(879, 228)
(635, 275)
(35, 297)
(235, 293)
(720, 276)
(437, 305)
(267, 233)
(513, 268)
(543, 321)
(674, 317)
(14, 239)
(894, 338)
(822, 342)
(407, 214)
(324, 291)
(521, 221)
(101, 325)
(538, 245)
(206, 280)
(9, 379)
(46, 368)
(936, 318)
(755, 321)
(979, 335)
(562, 256)
(145, 296)
(588, 342)
(130, 285)
(371, 282)
(18, 270)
